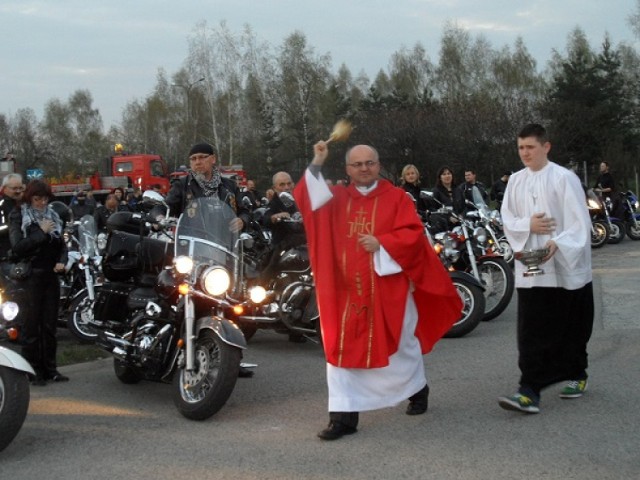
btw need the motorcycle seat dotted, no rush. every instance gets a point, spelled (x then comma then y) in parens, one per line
(139, 297)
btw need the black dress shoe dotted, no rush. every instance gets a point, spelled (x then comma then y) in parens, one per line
(57, 377)
(336, 430)
(419, 402)
(245, 372)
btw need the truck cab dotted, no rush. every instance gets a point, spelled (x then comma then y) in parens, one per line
(142, 170)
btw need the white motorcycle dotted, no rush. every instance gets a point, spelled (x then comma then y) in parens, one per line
(14, 377)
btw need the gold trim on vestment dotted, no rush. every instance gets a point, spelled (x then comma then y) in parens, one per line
(373, 285)
(349, 305)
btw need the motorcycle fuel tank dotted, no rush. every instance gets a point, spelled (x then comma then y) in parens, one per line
(295, 259)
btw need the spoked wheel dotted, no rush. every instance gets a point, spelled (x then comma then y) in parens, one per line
(200, 393)
(472, 308)
(616, 234)
(599, 234)
(14, 403)
(79, 321)
(498, 281)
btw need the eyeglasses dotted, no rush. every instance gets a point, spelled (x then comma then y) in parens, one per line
(368, 164)
(16, 189)
(193, 158)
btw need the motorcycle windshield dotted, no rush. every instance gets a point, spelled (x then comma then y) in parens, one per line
(479, 202)
(87, 234)
(204, 232)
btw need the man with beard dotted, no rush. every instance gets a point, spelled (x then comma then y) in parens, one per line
(204, 180)
(81, 207)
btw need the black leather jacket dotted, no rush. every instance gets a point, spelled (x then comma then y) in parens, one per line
(44, 249)
(187, 188)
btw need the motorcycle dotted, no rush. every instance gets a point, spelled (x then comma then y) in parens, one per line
(282, 298)
(630, 215)
(599, 228)
(600, 210)
(469, 289)
(475, 255)
(491, 221)
(15, 373)
(169, 313)
(82, 280)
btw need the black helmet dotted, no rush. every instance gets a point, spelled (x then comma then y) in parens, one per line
(63, 211)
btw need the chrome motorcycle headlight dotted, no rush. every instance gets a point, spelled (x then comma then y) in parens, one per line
(9, 310)
(183, 264)
(480, 234)
(257, 294)
(215, 281)
(593, 205)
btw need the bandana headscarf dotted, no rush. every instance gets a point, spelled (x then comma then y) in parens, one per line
(32, 215)
(209, 187)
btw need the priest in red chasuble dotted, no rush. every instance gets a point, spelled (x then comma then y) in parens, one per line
(384, 297)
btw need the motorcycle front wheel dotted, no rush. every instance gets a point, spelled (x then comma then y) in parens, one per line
(201, 393)
(616, 235)
(472, 308)
(498, 281)
(633, 230)
(14, 403)
(79, 321)
(599, 234)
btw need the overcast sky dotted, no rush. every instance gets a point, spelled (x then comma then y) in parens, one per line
(114, 48)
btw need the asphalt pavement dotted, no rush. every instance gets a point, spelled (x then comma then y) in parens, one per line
(95, 427)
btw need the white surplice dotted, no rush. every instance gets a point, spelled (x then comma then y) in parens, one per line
(557, 192)
(362, 389)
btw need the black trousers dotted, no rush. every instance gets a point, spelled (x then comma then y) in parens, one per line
(554, 327)
(38, 333)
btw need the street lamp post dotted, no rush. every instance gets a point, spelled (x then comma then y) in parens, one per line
(187, 89)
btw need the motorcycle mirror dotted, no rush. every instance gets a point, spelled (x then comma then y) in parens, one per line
(152, 197)
(426, 194)
(287, 199)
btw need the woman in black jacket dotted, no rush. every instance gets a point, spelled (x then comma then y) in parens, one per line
(36, 234)
(443, 192)
(410, 181)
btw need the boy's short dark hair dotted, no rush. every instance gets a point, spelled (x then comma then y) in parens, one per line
(534, 130)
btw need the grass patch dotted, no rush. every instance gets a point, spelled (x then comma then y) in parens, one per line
(68, 354)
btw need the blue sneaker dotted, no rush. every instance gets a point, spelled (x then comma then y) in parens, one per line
(520, 403)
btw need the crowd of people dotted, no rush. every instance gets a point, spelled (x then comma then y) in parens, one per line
(384, 298)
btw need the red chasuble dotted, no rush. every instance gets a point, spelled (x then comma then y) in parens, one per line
(361, 313)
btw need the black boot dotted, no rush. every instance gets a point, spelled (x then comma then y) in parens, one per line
(340, 424)
(419, 402)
